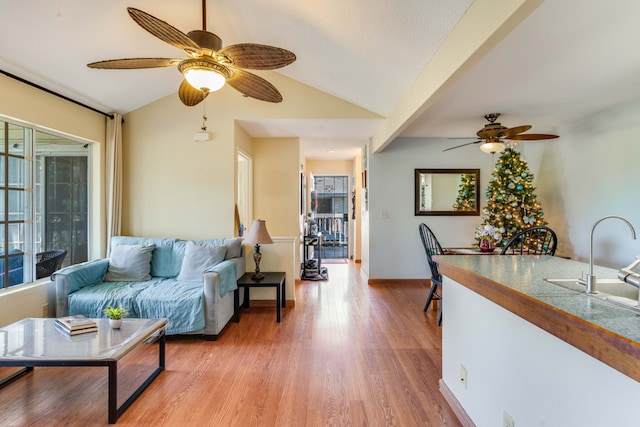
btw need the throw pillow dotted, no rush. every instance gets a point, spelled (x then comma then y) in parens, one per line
(129, 263)
(234, 247)
(199, 258)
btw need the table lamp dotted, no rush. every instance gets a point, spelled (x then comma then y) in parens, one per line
(258, 235)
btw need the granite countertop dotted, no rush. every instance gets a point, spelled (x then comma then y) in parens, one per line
(600, 328)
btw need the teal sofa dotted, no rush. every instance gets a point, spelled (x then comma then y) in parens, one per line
(203, 305)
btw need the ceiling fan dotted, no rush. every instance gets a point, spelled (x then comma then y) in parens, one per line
(209, 65)
(493, 135)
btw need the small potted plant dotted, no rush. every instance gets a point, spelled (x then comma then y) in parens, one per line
(115, 315)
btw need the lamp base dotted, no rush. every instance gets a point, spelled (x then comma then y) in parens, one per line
(257, 256)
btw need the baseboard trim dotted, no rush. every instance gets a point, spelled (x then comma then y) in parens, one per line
(457, 408)
(400, 282)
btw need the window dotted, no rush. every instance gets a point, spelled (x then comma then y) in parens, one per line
(43, 203)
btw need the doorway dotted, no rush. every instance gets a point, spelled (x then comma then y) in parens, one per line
(243, 206)
(330, 205)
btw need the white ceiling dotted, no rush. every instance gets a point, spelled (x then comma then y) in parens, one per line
(566, 60)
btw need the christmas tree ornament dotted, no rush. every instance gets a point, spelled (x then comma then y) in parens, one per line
(510, 201)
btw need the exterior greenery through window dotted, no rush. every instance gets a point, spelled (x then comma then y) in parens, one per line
(43, 203)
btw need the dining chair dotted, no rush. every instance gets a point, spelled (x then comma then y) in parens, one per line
(432, 247)
(540, 240)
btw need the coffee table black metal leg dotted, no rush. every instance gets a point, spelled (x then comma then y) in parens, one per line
(16, 375)
(113, 392)
(114, 411)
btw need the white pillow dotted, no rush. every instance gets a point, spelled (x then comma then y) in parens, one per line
(129, 263)
(199, 258)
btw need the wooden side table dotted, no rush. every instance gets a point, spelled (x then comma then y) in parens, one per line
(273, 279)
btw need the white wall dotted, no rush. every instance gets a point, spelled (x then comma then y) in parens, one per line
(591, 171)
(395, 249)
(517, 367)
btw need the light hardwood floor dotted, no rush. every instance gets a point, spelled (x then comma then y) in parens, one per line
(348, 354)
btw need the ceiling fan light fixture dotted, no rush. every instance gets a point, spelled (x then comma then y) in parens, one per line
(492, 147)
(206, 76)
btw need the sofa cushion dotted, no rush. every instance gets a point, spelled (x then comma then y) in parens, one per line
(234, 247)
(198, 258)
(182, 303)
(166, 258)
(91, 300)
(129, 263)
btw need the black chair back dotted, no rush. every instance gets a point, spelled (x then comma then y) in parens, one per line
(49, 262)
(431, 247)
(539, 240)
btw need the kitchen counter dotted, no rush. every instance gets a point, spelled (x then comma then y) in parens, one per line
(515, 344)
(606, 332)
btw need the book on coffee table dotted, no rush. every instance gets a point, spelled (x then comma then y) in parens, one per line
(77, 324)
(77, 331)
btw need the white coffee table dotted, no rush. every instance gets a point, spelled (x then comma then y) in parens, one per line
(38, 342)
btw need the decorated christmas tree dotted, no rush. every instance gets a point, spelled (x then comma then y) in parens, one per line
(511, 204)
(466, 199)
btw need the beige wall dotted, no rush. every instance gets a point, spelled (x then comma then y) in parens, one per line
(176, 187)
(275, 184)
(276, 198)
(30, 106)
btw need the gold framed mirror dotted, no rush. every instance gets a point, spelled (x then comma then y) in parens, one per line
(446, 192)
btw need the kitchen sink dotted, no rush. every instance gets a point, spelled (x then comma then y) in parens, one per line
(612, 290)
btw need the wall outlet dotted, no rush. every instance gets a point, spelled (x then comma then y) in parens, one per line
(384, 214)
(507, 420)
(44, 310)
(463, 376)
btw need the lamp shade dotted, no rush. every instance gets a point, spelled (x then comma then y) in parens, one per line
(206, 76)
(258, 234)
(492, 147)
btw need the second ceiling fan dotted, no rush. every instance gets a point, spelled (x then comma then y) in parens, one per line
(209, 65)
(493, 135)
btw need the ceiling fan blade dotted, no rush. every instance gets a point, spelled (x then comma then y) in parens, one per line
(132, 63)
(488, 133)
(463, 145)
(189, 95)
(164, 31)
(257, 56)
(514, 131)
(532, 137)
(254, 86)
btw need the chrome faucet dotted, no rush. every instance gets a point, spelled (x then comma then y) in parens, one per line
(626, 274)
(591, 278)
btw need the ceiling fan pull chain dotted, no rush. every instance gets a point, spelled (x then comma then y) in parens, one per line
(204, 115)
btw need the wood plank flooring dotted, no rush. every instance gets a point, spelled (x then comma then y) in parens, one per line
(348, 354)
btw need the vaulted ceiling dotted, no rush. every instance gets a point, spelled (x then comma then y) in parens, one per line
(565, 60)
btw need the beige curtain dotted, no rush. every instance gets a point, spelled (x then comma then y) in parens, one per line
(114, 176)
